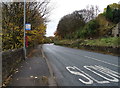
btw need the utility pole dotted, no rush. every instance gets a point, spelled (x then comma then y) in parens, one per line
(24, 28)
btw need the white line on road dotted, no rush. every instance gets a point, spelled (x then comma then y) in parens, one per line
(98, 81)
(102, 61)
(89, 81)
(108, 77)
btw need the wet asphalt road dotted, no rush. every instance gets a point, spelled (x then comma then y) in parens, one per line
(74, 67)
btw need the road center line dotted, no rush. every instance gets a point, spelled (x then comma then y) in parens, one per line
(102, 61)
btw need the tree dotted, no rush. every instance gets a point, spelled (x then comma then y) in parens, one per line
(69, 24)
(116, 15)
(89, 13)
(109, 14)
(90, 29)
(112, 13)
(12, 25)
(115, 6)
(36, 14)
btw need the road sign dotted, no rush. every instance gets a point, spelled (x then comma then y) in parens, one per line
(26, 43)
(27, 26)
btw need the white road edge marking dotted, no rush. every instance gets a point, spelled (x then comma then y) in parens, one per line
(102, 61)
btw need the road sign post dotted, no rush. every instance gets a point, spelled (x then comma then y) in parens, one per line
(24, 27)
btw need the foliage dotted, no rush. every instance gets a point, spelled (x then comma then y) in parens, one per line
(109, 14)
(48, 39)
(116, 15)
(72, 25)
(115, 6)
(96, 31)
(90, 28)
(112, 13)
(89, 13)
(12, 23)
(69, 24)
(104, 26)
(110, 41)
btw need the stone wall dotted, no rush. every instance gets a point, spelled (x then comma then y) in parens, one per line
(10, 60)
(103, 49)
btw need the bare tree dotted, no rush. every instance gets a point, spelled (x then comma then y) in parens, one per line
(41, 8)
(89, 13)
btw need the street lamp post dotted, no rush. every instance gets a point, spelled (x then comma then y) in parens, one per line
(24, 27)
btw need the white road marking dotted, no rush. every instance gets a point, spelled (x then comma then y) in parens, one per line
(112, 76)
(81, 74)
(100, 82)
(102, 61)
(36, 77)
(31, 76)
(108, 71)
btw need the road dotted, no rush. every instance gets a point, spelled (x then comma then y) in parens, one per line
(74, 67)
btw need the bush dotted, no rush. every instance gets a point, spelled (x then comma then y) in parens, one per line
(110, 41)
(90, 29)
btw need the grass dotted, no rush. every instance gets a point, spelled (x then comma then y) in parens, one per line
(109, 41)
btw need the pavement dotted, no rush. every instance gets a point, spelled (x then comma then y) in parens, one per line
(33, 71)
(75, 67)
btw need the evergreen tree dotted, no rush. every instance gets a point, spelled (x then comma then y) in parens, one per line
(109, 14)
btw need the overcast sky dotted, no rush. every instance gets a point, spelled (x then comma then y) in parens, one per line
(64, 7)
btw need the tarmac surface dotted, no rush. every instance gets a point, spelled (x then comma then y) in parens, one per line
(75, 67)
(31, 72)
